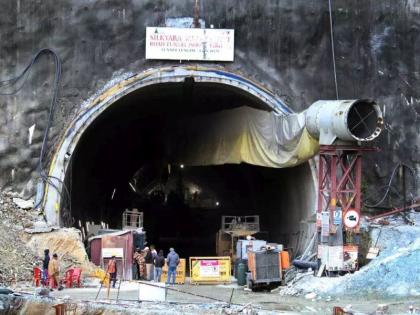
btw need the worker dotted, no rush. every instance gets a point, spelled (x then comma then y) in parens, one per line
(148, 259)
(153, 251)
(172, 261)
(141, 264)
(154, 255)
(112, 270)
(158, 262)
(54, 273)
(45, 263)
(135, 264)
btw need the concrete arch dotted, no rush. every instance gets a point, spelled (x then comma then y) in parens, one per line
(95, 106)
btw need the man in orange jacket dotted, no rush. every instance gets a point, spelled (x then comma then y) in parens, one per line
(112, 270)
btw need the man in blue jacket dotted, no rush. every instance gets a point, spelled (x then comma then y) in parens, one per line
(172, 261)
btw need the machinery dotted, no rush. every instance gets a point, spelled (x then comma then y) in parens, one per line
(232, 229)
(244, 246)
(341, 126)
(265, 269)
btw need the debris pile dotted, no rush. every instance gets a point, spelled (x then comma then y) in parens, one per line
(394, 273)
(24, 235)
(16, 259)
(67, 243)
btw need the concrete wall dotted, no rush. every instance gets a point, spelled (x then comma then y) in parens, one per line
(284, 44)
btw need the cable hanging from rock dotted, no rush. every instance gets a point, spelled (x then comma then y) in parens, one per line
(390, 182)
(10, 83)
(332, 49)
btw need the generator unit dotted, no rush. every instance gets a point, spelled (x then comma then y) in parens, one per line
(244, 246)
(265, 269)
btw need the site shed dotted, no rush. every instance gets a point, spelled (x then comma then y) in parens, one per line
(102, 247)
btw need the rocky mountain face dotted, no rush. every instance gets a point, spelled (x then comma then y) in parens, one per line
(284, 45)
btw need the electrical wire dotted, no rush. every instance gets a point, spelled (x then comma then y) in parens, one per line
(23, 76)
(332, 49)
(390, 182)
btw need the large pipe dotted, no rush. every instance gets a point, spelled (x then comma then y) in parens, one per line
(346, 120)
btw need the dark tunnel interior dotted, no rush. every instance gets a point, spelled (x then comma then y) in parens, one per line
(121, 163)
(362, 119)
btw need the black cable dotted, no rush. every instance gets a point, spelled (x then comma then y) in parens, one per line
(53, 103)
(390, 182)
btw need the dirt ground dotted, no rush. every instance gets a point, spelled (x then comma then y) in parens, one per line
(213, 297)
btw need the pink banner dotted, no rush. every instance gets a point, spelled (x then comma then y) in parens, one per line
(209, 262)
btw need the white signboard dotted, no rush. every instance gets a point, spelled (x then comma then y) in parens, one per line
(209, 268)
(335, 258)
(325, 223)
(109, 252)
(167, 43)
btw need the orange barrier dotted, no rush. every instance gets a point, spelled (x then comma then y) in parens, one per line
(180, 272)
(285, 260)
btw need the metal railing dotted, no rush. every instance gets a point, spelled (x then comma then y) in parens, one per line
(132, 219)
(232, 223)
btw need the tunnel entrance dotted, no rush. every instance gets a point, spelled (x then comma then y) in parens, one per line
(121, 163)
(118, 153)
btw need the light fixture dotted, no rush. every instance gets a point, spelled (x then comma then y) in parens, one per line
(217, 203)
(181, 166)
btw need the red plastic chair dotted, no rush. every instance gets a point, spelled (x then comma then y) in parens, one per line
(68, 278)
(37, 274)
(77, 273)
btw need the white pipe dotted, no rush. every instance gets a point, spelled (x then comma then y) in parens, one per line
(346, 120)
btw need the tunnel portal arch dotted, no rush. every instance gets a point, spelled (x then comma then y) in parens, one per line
(96, 105)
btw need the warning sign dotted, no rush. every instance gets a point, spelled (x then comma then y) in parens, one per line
(209, 268)
(325, 223)
(338, 216)
(350, 253)
(351, 219)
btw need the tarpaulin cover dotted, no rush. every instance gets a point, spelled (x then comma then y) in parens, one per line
(242, 134)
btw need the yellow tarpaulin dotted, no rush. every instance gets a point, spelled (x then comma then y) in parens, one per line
(243, 134)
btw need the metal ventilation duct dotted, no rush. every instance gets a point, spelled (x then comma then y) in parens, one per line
(346, 120)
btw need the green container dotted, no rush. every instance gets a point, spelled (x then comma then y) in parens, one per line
(241, 274)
